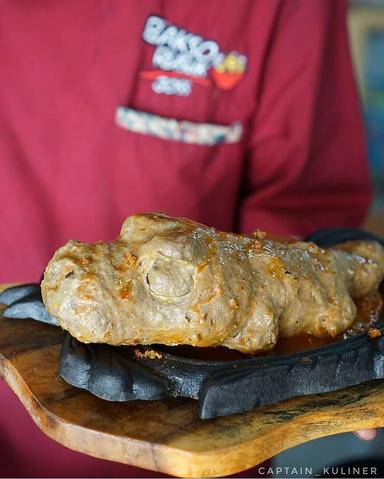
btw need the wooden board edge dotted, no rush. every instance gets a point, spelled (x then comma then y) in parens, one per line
(170, 459)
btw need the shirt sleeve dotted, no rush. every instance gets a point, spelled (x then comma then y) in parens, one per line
(306, 167)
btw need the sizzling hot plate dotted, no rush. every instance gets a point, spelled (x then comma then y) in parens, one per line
(223, 382)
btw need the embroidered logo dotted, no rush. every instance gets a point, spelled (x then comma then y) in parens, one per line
(182, 58)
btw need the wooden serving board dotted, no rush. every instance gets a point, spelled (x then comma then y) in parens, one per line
(167, 436)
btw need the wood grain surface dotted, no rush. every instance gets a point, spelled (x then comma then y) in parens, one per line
(167, 436)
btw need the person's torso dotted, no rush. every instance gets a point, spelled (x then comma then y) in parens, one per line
(70, 169)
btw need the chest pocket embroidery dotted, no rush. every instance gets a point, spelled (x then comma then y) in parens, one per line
(181, 58)
(177, 130)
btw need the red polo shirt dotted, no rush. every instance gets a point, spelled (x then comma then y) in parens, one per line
(239, 114)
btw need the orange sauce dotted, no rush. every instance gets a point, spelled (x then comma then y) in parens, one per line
(126, 292)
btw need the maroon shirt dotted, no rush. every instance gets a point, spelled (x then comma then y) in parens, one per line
(276, 74)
